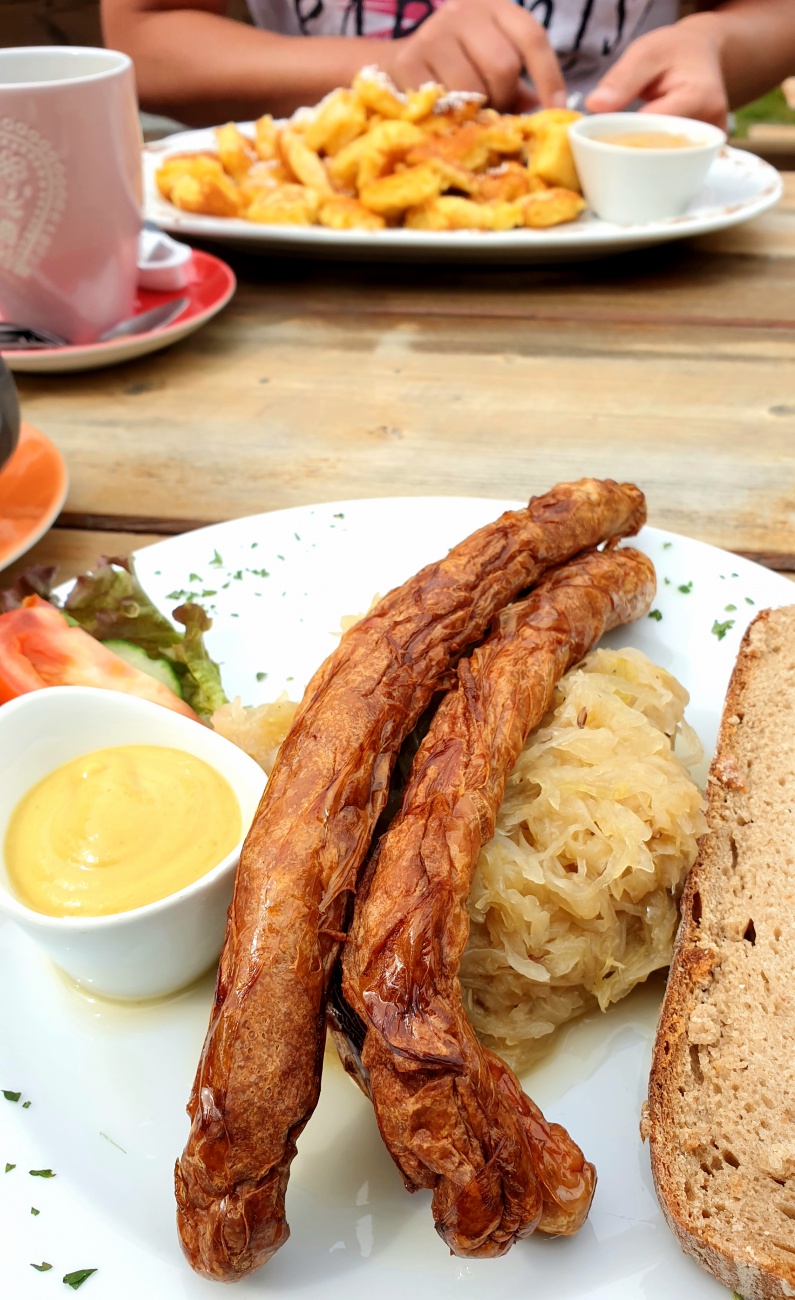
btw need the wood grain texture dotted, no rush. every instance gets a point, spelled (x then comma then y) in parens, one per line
(74, 551)
(670, 366)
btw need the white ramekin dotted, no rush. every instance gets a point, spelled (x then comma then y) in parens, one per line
(151, 950)
(631, 186)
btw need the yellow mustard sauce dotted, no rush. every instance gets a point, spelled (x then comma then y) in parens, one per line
(119, 828)
(648, 140)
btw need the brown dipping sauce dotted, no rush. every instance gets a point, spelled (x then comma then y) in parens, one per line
(648, 140)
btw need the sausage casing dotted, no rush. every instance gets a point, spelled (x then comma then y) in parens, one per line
(258, 1078)
(452, 1114)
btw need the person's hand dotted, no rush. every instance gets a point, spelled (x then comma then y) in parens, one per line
(674, 70)
(481, 45)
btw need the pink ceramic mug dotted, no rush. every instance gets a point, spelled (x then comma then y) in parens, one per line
(70, 189)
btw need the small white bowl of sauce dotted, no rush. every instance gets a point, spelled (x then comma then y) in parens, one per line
(640, 167)
(121, 825)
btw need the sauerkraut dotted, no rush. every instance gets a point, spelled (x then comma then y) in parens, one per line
(574, 900)
(259, 729)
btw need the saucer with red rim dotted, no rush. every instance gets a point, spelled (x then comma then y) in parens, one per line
(210, 284)
(33, 487)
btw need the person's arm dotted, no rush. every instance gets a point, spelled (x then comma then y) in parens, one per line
(705, 64)
(196, 64)
(202, 67)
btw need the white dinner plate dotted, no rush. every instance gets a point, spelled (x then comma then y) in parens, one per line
(738, 186)
(108, 1083)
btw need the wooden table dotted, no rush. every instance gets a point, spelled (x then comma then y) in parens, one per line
(674, 367)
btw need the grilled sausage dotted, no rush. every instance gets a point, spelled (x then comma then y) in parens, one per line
(258, 1078)
(452, 1114)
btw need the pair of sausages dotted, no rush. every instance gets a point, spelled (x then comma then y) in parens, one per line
(451, 1113)
(258, 1078)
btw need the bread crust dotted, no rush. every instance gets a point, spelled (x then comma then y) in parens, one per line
(752, 1268)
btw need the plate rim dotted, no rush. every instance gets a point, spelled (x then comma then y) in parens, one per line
(502, 503)
(567, 238)
(93, 356)
(56, 505)
(359, 1282)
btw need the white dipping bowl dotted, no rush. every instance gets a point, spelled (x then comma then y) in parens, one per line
(630, 186)
(152, 950)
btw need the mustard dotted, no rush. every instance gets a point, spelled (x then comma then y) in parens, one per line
(119, 828)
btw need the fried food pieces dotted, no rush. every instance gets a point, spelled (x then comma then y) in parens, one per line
(424, 160)
(258, 1079)
(452, 1114)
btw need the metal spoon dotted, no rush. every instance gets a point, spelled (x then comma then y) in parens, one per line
(16, 338)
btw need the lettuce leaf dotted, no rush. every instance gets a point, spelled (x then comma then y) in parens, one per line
(199, 674)
(111, 604)
(35, 581)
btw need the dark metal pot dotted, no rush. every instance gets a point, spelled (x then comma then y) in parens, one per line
(9, 414)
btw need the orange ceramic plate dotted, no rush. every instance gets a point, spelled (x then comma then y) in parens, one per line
(33, 485)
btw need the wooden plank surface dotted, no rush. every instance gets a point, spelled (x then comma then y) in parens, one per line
(671, 366)
(75, 551)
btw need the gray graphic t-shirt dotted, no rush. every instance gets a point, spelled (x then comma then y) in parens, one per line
(588, 35)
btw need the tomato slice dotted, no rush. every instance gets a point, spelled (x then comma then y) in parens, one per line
(39, 648)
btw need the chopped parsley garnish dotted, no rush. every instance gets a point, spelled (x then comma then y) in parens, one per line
(261, 677)
(33, 1210)
(112, 1143)
(290, 679)
(76, 1279)
(720, 629)
(667, 581)
(685, 587)
(297, 538)
(224, 585)
(210, 591)
(9, 1168)
(260, 573)
(43, 1267)
(730, 608)
(238, 577)
(279, 557)
(655, 614)
(177, 595)
(216, 561)
(254, 545)
(735, 575)
(748, 601)
(194, 577)
(234, 616)
(341, 516)
(25, 1105)
(41, 1173)
(11, 1096)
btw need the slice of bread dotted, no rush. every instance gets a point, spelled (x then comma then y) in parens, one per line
(721, 1112)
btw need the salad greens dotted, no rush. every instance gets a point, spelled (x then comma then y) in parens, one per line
(76, 1279)
(110, 604)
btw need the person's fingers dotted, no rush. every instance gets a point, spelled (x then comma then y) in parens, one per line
(707, 104)
(451, 66)
(496, 59)
(639, 66)
(526, 98)
(538, 57)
